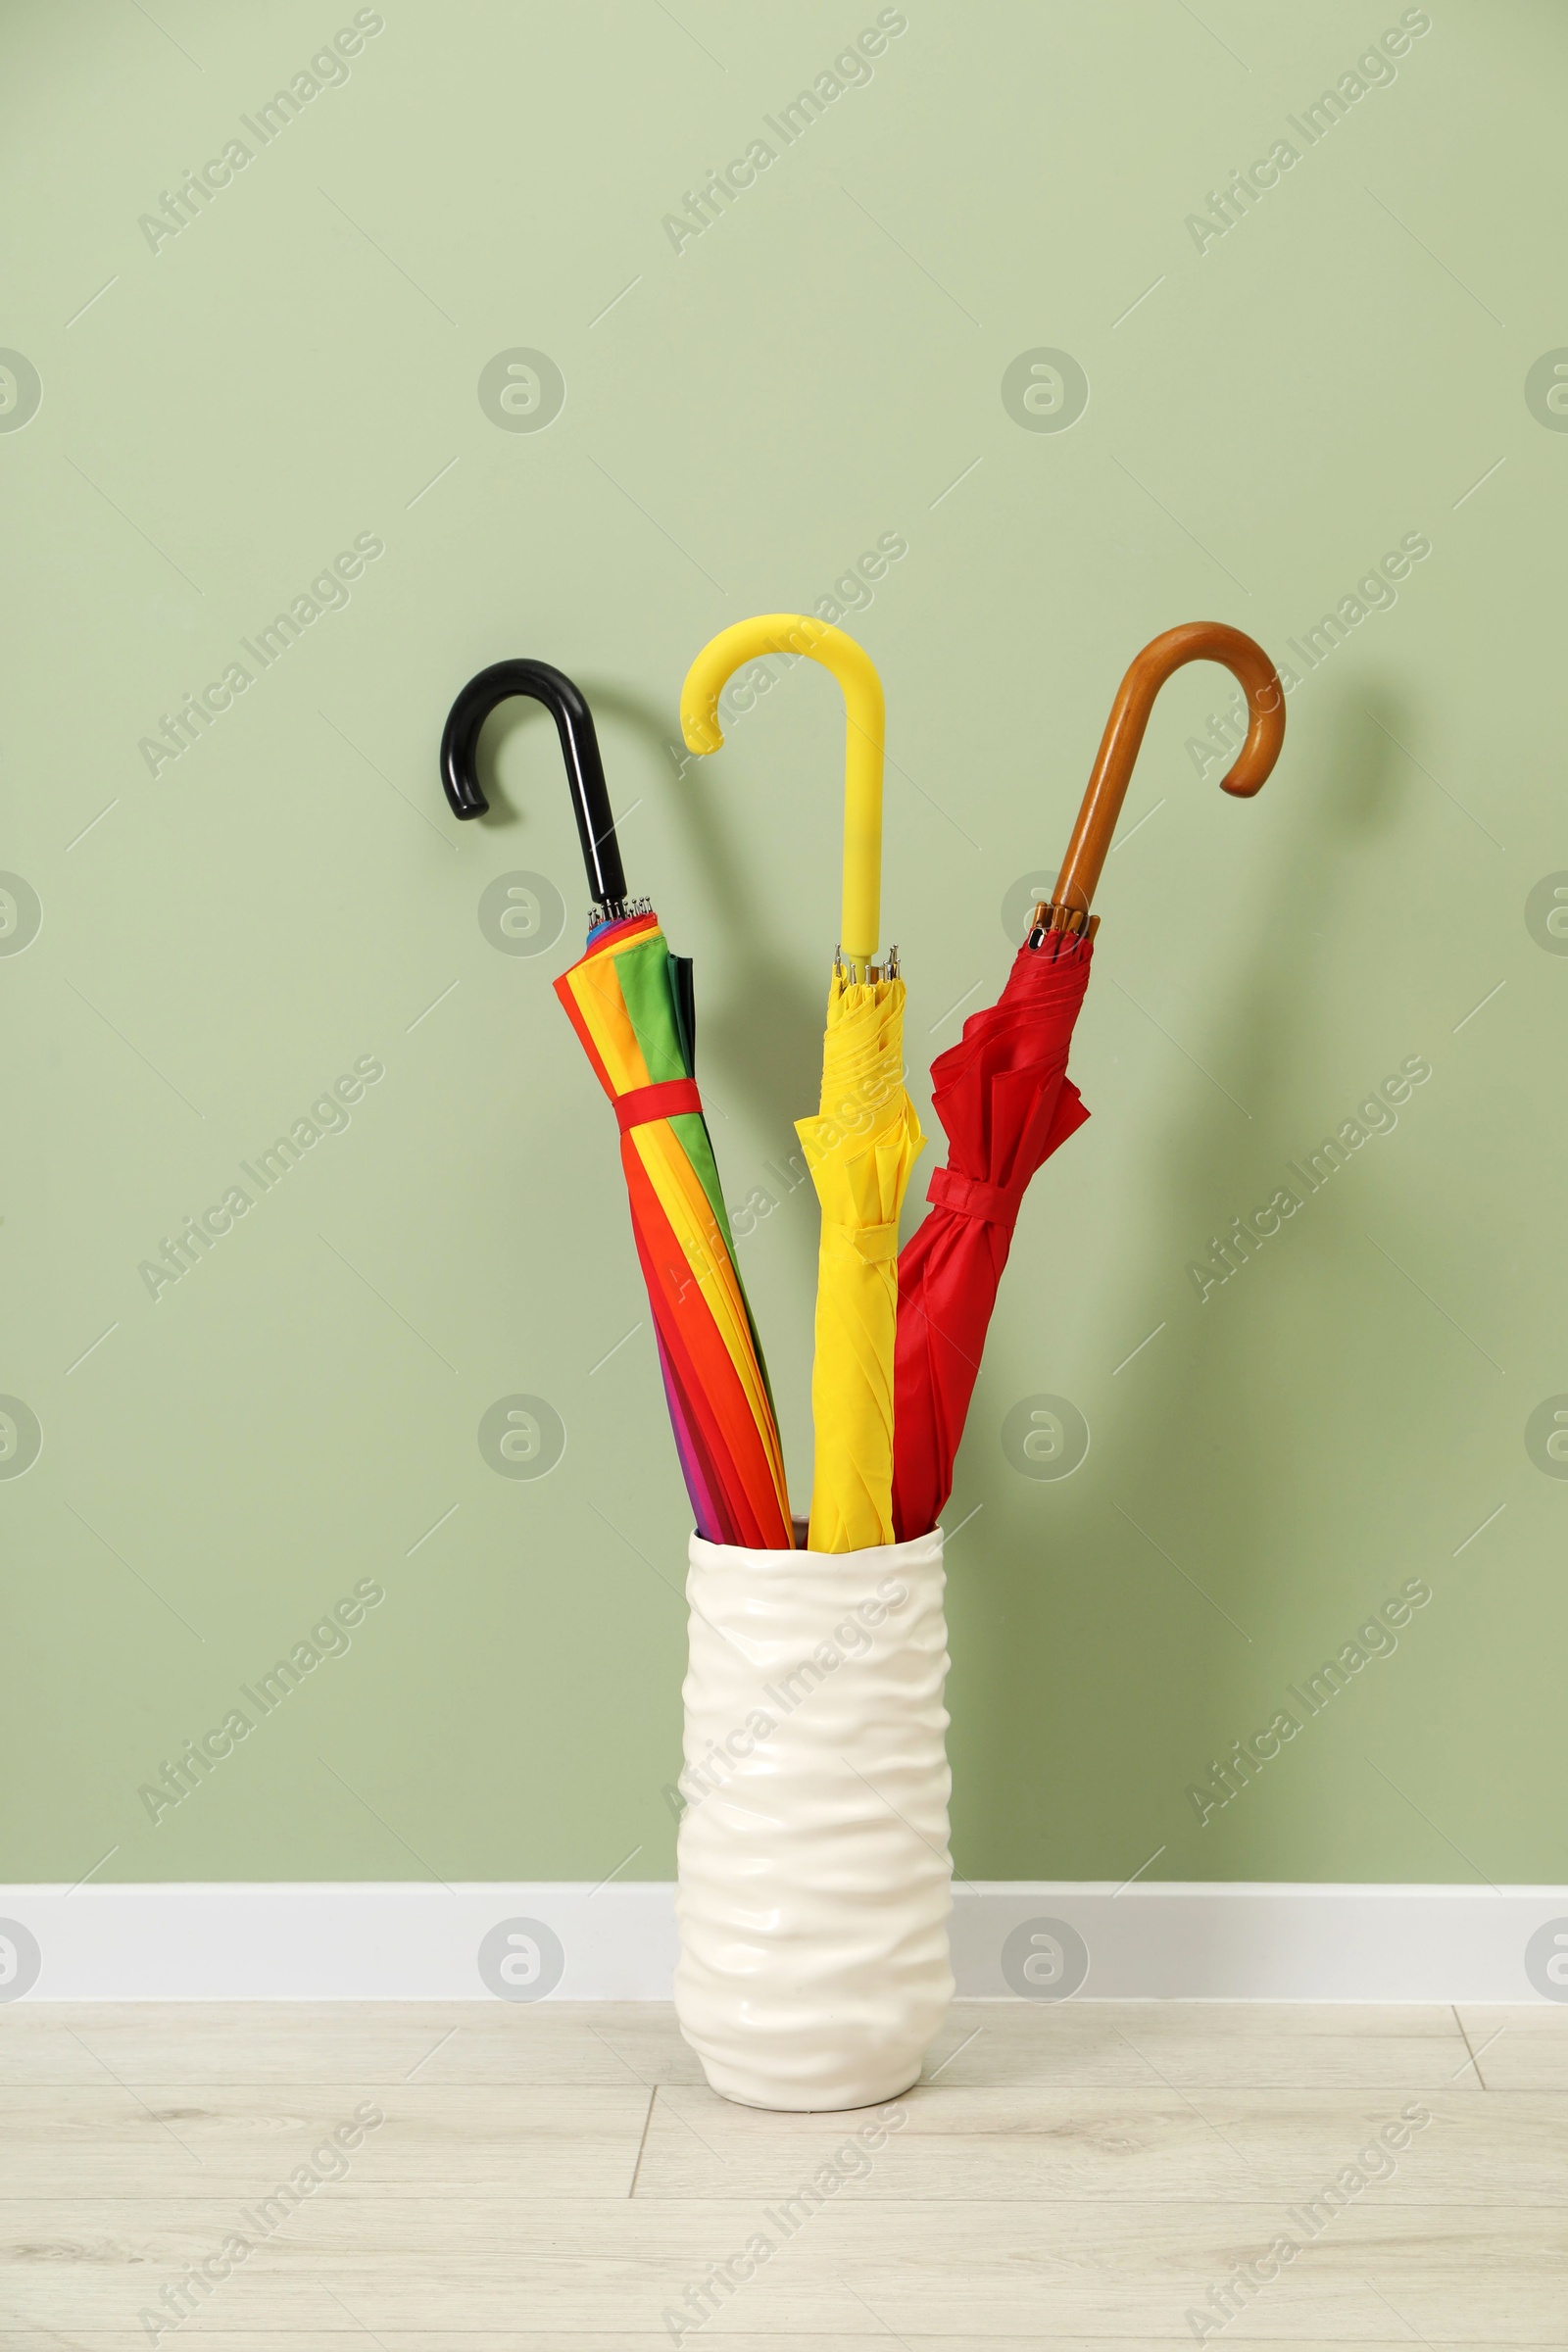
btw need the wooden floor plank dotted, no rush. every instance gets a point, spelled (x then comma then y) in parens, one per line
(1202, 2145)
(1459, 2274)
(380, 2042)
(156, 2140)
(1242, 2043)
(711, 2338)
(1521, 2047)
(192, 2337)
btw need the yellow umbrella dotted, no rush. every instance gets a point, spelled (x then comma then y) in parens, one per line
(863, 1140)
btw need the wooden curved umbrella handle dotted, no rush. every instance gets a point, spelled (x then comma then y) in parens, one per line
(1194, 641)
(853, 666)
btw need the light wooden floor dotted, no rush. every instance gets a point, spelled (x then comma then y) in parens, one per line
(1067, 2176)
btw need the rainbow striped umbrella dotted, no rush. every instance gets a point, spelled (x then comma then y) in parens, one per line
(630, 1002)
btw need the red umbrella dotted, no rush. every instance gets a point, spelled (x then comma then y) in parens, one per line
(1003, 1093)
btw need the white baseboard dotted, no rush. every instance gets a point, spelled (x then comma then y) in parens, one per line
(1165, 1941)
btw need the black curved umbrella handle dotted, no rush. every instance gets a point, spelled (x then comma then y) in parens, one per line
(579, 747)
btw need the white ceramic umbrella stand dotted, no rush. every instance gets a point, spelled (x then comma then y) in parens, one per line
(815, 1881)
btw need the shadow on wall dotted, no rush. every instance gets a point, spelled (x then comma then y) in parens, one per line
(762, 1047)
(1092, 1672)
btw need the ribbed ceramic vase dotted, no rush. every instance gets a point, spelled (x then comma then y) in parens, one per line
(815, 1883)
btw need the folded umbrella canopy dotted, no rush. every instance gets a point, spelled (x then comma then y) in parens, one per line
(1002, 1094)
(631, 1002)
(863, 1141)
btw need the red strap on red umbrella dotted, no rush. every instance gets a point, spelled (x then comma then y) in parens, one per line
(666, 1100)
(967, 1197)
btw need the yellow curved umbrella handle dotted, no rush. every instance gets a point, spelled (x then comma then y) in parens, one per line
(852, 666)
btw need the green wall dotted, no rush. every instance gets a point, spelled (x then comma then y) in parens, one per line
(1272, 411)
